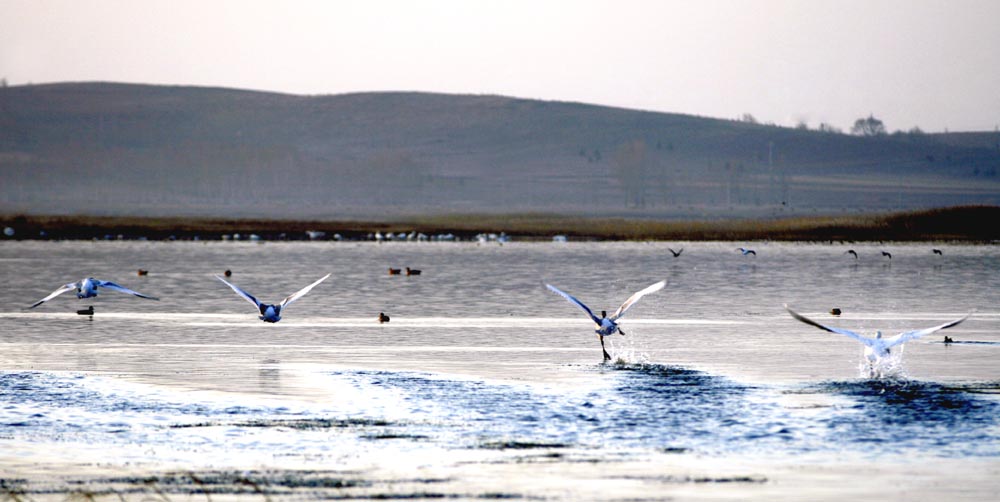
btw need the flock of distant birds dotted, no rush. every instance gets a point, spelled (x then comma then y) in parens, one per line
(877, 349)
(748, 251)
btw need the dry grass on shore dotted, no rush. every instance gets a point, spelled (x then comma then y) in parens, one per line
(964, 223)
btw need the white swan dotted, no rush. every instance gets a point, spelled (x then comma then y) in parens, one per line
(87, 288)
(270, 312)
(608, 325)
(877, 349)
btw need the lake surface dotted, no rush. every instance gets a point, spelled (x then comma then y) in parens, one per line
(484, 384)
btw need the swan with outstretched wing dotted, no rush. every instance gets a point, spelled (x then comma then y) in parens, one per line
(608, 325)
(272, 312)
(877, 348)
(87, 288)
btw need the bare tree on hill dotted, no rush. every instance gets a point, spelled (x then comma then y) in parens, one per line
(870, 126)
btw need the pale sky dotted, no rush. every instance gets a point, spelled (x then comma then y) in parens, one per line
(932, 64)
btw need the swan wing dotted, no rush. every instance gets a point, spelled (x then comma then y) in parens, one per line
(910, 335)
(574, 301)
(123, 289)
(246, 296)
(302, 292)
(841, 331)
(635, 297)
(66, 287)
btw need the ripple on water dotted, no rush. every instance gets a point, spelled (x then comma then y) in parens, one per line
(636, 407)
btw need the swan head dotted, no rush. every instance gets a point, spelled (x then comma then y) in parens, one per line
(604, 313)
(878, 335)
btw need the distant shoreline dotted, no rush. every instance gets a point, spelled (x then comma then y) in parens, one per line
(960, 223)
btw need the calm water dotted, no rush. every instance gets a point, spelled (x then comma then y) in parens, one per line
(480, 360)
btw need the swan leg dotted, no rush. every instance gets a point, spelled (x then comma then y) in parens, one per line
(607, 357)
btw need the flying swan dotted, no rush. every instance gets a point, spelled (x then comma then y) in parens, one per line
(877, 349)
(268, 312)
(87, 288)
(607, 326)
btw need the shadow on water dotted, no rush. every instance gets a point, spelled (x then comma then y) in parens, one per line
(899, 414)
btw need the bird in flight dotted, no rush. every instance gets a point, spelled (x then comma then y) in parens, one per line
(608, 325)
(887, 254)
(877, 349)
(746, 251)
(675, 253)
(852, 252)
(87, 288)
(270, 312)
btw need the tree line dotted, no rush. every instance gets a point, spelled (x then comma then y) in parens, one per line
(869, 126)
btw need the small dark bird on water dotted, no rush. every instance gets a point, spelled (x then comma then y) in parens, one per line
(228, 273)
(412, 271)
(395, 271)
(835, 311)
(382, 317)
(675, 253)
(937, 251)
(142, 272)
(852, 252)
(888, 254)
(87, 311)
(947, 339)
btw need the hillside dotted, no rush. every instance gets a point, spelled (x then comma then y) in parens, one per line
(135, 150)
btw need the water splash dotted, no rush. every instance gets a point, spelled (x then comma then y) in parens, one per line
(890, 367)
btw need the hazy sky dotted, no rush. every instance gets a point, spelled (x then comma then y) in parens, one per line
(932, 64)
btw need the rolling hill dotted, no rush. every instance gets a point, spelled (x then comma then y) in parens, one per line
(139, 150)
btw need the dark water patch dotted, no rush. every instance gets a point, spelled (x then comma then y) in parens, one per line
(664, 406)
(647, 406)
(53, 391)
(410, 437)
(701, 480)
(236, 482)
(520, 445)
(910, 415)
(298, 423)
